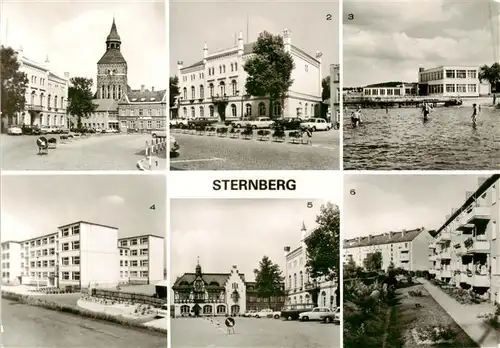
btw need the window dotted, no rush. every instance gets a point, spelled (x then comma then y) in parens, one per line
(133, 242)
(305, 109)
(202, 111)
(65, 261)
(65, 247)
(262, 109)
(38, 242)
(133, 263)
(461, 74)
(144, 251)
(211, 89)
(222, 88)
(76, 275)
(248, 110)
(235, 286)
(65, 232)
(121, 263)
(462, 88)
(121, 252)
(52, 263)
(185, 93)
(234, 87)
(133, 252)
(202, 92)
(65, 275)
(144, 274)
(45, 252)
(75, 230)
(76, 260)
(233, 110)
(450, 74)
(144, 263)
(450, 88)
(193, 94)
(472, 88)
(212, 110)
(193, 112)
(76, 245)
(277, 109)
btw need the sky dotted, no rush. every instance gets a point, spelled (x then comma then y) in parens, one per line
(228, 232)
(73, 35)
(37, 205)
(216, 23)
(384, 203)
(389, 40)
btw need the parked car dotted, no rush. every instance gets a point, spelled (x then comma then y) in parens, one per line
(276, 314)
(174, 146)
(291, 312)
(314, 314)
(179, 122)
(159, 134)
(241, 123)
(46, 130)
(288, 123)
(316, 124)
(264, 313)
(260, 123)
(248, 313)
(202, 121)
(14, 130)
(333, 317)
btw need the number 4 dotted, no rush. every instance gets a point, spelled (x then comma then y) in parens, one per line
(152, 207)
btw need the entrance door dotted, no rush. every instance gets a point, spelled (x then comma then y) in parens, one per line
(196, 310)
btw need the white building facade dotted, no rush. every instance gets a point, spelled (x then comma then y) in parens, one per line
(405, 249)
(219, 76)
(46, 95)
(466, 250)
(390, 92)
(298, 283)
(451, 81)
(11, 264)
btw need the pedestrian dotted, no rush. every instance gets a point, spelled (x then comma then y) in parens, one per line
(309, 136)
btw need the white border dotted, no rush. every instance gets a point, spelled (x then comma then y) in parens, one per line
(167, 169)
(340, 284)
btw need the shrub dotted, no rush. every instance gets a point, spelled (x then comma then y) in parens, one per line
(279, 133)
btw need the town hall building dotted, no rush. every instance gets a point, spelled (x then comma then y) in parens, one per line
(219, 78)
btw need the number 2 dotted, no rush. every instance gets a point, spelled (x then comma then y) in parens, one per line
(329, 17)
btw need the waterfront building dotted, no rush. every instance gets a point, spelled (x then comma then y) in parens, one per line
(405, 249)
(451, 81)
(46, 95)
(256, 303)
(141, 259)
(81, 254)
(300, 287)
(390, 90)
(214, 86)
(466, 249)
(209, 294)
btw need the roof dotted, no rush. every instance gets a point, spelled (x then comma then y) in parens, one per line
(385, 238)
(88, 223)
(145, 96)
(106, 104)
(208, 278)
(113, 33)
(142, 235)
(52, 75)
(389, 84)
(112, 56)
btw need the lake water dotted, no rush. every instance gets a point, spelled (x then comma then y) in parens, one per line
(400, 140)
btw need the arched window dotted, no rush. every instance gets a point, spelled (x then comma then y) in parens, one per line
(185, 93)
(300, 299)
(301, 279)
(262, 109)
(103, 92)
(323, 298)
(114, 92)
(305, 109)
(223, 69)
(192, 92)
(185, 111)
(33, 98)
(211, 89)
(211, 108)
(233, 110)
(234, 87)
(62, 102)
(299, 110)
(248, 110)
(202, 92)
(202, 111)
(193, 112)
(41, 99)
(222, 87)
(48, 101)
(289, 282)
(277, 109)
(295, 280)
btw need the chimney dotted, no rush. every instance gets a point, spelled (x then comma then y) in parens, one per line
(205, 53)
(179, 66)
(403, 233)
(421, 69)
(240, 44)
(152, 88)
(142, 88)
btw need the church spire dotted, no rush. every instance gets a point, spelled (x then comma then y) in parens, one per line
(198, 267)
(113, 40)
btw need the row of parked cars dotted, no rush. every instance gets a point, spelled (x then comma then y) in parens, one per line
(323, 314)
(44, 130)
(287, 123)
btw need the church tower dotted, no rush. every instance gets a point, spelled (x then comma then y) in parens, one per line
(112, 69)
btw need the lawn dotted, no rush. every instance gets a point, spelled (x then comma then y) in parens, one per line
(418, 312)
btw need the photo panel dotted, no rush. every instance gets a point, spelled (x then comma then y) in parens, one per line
(84, 261)
(420, 266)
(255, 273)
(86, 85)
(415, 95)
(253, 91)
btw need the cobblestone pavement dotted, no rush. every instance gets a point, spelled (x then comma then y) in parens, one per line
(94, 152)
(203, 152)
(253, 332)
(28, 326)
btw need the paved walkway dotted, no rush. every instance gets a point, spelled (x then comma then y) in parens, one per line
(466, 316)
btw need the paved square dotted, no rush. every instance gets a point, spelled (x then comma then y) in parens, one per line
(253, 332)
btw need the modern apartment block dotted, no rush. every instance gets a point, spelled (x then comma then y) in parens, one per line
(141, 259)
(80, 254)
(466, 250)
(405, 249)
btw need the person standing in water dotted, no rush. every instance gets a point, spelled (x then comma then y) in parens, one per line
(356, 118)
(474, 113)
(426, 110)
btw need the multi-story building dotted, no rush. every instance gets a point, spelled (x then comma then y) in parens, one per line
(80, 254)
(210, 294)
(405, 249)
(300, 288)
(256, 303)
(334, 109)
(46, 94)
(390, 90)
(214, 86)
(451, 81)
(141, 259)
(12, 263)
(466, 249)
(120, 107)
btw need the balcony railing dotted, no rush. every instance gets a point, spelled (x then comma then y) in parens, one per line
(480, 280)
(32, 107)
(445, 254)
(477, 214)
(445, 273)
(477, 245)
(444, 236)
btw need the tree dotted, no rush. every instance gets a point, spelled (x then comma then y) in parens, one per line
(268, 280)
(492, 75)
(80, 99)
(325, 95)
(13, 85)
(373, 261)
(269, 70)
(174, 90)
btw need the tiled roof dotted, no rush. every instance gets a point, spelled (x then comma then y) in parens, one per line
(106, 104)
(208, 278)
(55, 76)
(112, 56)
(145, 96)
(113, 33)
(199, 63)
(385, 238)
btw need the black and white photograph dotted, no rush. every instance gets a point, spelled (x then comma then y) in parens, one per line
(253, 91)
(421, 81)
(83, 85)
(84, 261)
(255, 273)
(420, 267)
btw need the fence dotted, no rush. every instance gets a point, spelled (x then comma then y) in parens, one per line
(128, 296)
(153, 147)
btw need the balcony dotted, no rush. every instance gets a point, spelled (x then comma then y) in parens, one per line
(310, 286)
(36, 108)
(432, 271)
(404, 257)
(445, 254)
(477, 214)
(480, 280)
(218, 98)
(444, 236)
(445, 273)
(433, 257)
(477, 246)
(464, 278)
